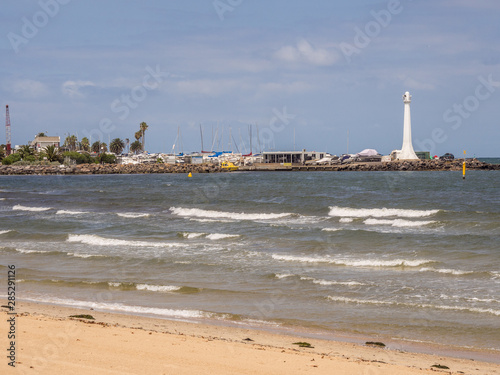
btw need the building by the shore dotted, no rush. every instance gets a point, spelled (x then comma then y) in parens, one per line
(294, 157)
(39, 143)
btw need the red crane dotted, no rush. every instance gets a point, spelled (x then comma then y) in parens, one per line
(7, 131)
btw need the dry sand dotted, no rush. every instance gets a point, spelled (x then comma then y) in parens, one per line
(49, 342)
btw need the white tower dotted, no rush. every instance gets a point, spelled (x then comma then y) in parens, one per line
(407, 152)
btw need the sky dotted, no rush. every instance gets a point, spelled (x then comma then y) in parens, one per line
(278, 75)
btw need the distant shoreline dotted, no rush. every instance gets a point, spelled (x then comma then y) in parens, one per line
(90, 169)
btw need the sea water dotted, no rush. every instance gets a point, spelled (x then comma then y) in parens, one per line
(407, 255)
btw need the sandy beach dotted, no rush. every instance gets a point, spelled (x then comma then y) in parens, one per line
(48, 341)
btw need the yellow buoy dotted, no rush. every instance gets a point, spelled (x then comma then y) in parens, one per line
(190, 175)
(463, 175)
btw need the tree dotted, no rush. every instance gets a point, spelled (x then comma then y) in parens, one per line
(42, 134)
(27, 153)
(96, 147)
(70, 142)
(138, 135)
(104, 147)
(143, 127)
(85, 144)
(116, 146)
(135, 147)
(52, 153)
(2, 151)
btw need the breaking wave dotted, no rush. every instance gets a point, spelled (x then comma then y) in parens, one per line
(400, 223)
(345, 220)
(18, 207)
(68, 212)
(354, 262)
(91, 239)
(378, 212)
(220, 236)
(133, 215)
(123, 308)
(446, 271)
(329, 282)
(158, 288)
(407, 304)
(196, 212)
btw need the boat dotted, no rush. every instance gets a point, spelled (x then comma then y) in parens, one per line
(229, 166)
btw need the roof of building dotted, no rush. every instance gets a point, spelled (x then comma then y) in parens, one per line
(47, 139)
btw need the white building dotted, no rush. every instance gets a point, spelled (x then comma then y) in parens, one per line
(39, 143)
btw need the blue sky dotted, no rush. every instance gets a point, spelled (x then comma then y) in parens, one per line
(304, 74)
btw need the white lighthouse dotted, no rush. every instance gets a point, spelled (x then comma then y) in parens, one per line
(407, 152)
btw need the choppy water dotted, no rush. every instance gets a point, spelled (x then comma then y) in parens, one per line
(408, 255)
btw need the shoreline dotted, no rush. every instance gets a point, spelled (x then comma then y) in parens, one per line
(49, 341)
(160, 168)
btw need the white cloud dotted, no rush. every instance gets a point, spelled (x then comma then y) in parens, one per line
(29, 88)
(303, 51)
(72, 88)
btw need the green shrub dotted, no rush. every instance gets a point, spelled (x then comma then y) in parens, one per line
(77, 157)
(12, 158)
(107, 158)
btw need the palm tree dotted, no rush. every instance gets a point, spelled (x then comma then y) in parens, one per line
(143, 127)
(135, 147)
(26, 151)
(116, 146)
(52, 153)
(85, 144)
(70, 142)
(96, 147)
(104, 147)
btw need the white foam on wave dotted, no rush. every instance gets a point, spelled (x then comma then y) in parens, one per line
(157, 288)
(354, 262)
(196, 212)
(18, 207)
(133, 215)
(446, 271)
(406, 304)
(68, 212)
(378, 212)
(23, 251)
(346, 220)
(5, 231)
(210, 220)
(331, 229)
(91, 239)
(192, 235)
(221, 236)
(283, 275)
(329, 282)
(84, 256)
(123, 308)
(400, 223)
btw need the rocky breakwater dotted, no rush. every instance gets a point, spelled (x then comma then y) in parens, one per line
(85, 169)
(418, 165)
